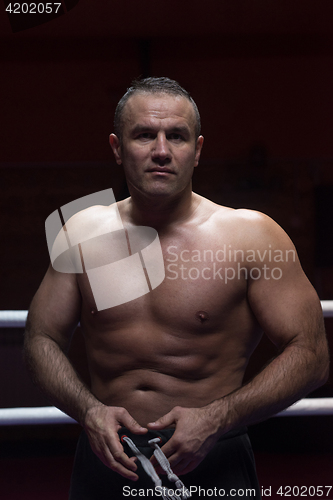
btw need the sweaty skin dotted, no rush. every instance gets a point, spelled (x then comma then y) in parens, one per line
(176, 356)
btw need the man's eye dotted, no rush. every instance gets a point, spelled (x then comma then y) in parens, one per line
(145, 135)
(175, 137)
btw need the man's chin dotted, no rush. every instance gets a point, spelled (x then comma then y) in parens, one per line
(161, 191)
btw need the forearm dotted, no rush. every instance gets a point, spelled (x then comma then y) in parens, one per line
(52, 371)
(286, 379)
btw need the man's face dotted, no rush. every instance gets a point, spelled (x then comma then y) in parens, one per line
(158, 148)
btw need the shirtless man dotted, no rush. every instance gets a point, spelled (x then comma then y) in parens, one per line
(176, 357)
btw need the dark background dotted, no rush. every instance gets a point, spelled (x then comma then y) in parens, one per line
(261, 73)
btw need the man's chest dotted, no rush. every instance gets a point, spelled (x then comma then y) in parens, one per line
(203, 288)
(189, 274)
(201, 284)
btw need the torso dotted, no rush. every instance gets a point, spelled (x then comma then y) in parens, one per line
(188, 341)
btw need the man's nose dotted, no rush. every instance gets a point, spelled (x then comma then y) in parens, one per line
(161, 149)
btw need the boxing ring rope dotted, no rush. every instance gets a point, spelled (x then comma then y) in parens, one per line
(52, 415)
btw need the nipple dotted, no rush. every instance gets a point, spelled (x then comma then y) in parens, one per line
(202, 316)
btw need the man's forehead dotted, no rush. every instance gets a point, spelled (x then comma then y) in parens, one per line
(158, 105)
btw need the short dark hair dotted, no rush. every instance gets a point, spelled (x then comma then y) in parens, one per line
(153, 85)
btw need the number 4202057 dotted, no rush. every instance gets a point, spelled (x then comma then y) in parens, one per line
(33, 8)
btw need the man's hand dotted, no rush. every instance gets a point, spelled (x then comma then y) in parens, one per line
(197, 430)
(101, 425)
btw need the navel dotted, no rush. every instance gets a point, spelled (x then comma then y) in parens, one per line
(143, 388)
(202, 316)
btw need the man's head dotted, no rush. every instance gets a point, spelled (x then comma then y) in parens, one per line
(153, 85)
(156, 139)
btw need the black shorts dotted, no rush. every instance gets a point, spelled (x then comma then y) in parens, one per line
(227, 471)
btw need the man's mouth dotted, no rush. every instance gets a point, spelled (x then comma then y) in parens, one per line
(161, 170)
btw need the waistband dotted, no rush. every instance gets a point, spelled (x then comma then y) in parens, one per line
(141, 440)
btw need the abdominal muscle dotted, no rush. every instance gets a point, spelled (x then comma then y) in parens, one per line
(146, 402)
(149, 371)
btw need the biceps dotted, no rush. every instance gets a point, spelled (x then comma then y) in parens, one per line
(55, 309)
(287, 309)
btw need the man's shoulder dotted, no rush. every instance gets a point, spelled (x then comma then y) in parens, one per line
(249, 225)
(82, 227)
(92, 222)
(243, 216)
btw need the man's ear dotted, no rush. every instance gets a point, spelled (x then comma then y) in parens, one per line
(115, 145)
(198, 149)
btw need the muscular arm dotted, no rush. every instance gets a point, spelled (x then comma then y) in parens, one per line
(289, 312)
(291, 316)
(53, 315)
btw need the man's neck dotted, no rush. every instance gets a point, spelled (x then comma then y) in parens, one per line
(161, 213)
